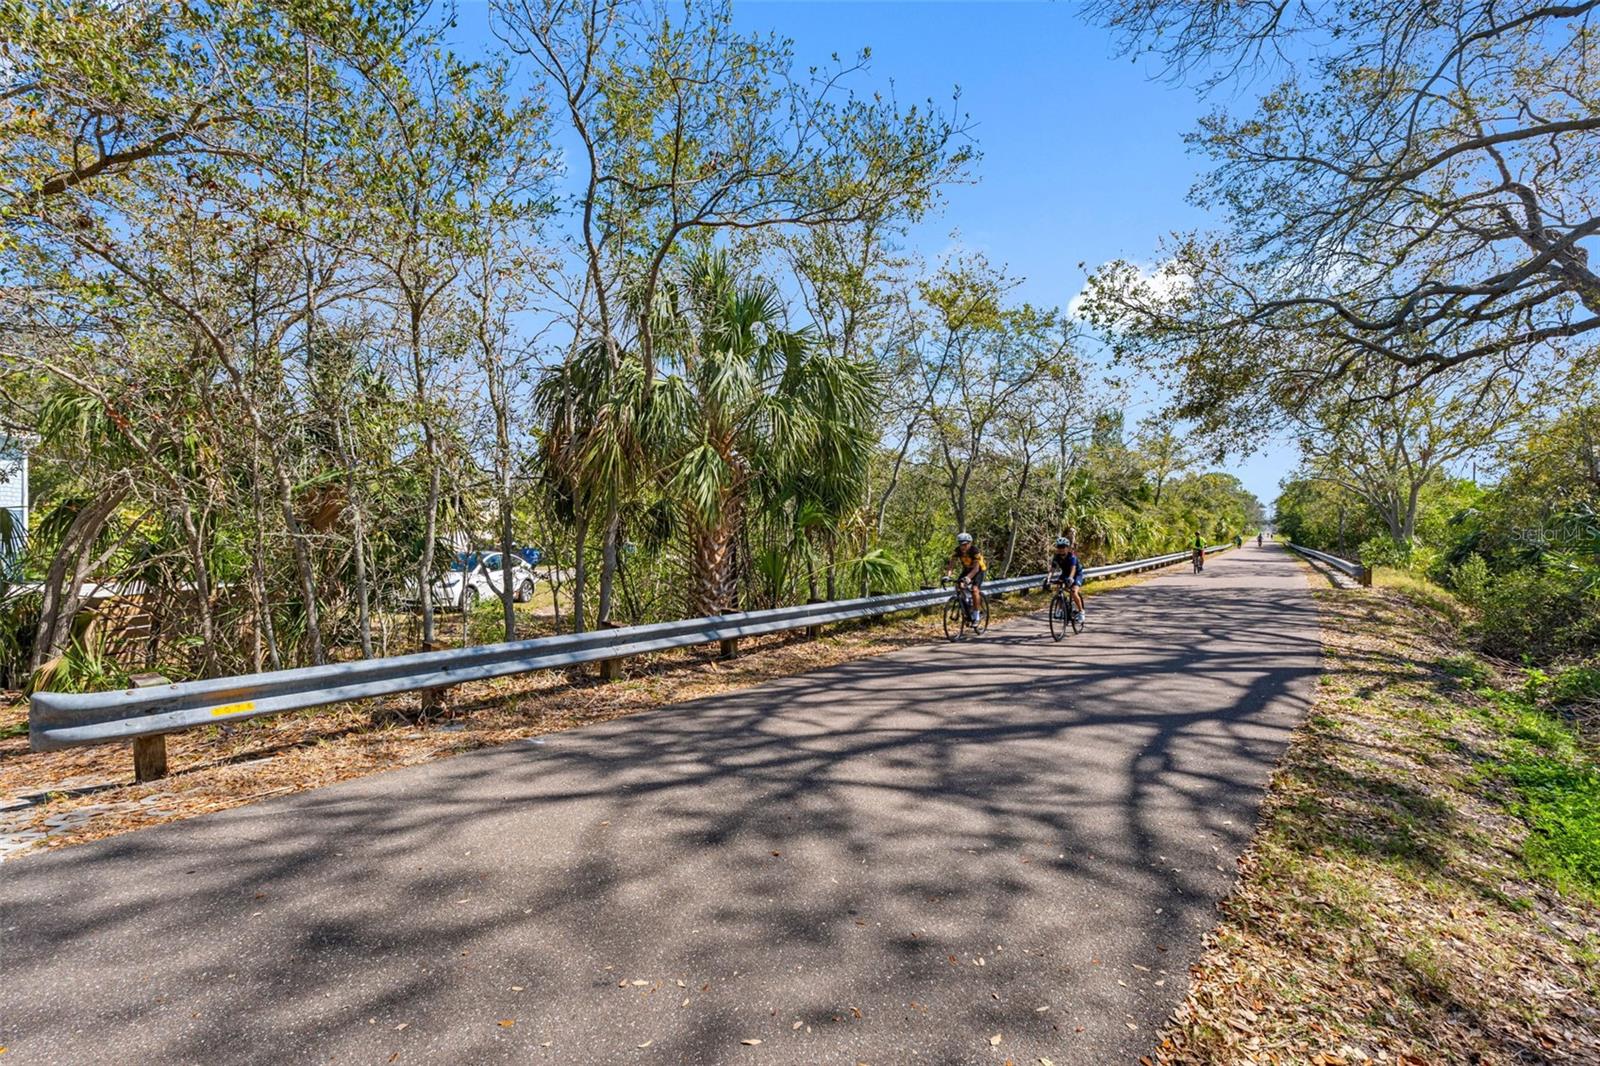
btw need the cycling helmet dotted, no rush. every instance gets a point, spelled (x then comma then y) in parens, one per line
(1063, 542)
(963, 538)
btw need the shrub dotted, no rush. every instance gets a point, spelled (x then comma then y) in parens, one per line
(1539, 615)
(1576, 684)
(1384, 551)
(1413, 557)
(83, 667)
(19, 620)
(875, 573)
(1470, 581)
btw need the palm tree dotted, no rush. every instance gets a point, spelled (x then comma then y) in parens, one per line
(746, 406)
(590, 446)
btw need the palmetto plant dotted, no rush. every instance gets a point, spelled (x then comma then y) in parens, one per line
(745, 403)
(591, 445)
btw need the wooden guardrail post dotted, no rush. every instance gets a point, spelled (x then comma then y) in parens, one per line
(729, 646)
(434, 700)
(813, 631)
(1366, 576)
(149, 753)
(611, 669)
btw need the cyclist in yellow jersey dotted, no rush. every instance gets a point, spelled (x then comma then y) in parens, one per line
(969, 561)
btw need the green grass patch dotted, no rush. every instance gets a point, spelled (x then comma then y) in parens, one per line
(1553, 780)
(1558, 795)
(1424, 593)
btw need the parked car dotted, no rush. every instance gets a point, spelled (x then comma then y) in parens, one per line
(475, 576)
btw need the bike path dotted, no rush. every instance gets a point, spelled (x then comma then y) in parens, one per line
(895, 860)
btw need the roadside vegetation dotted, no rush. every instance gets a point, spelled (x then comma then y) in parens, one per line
(323, 307)
(1425, 884)
(1519, 549)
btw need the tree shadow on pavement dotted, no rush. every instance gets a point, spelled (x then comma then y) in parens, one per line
(905, 854)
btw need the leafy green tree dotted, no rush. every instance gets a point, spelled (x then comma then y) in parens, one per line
(995, 361)
(744, 400)
(1386, 449)
(1414, 184)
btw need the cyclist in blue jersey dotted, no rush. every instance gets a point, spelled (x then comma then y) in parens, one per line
(1064, 568)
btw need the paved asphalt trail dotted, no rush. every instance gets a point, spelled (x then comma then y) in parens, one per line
(889, 861)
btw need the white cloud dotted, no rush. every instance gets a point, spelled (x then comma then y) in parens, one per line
(1159, 281)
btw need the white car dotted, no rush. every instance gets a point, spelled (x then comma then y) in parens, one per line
(474, 577)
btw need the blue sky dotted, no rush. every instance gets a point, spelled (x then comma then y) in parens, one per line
(1083, 153)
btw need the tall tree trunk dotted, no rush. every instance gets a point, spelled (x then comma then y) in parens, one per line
(302, 558)
(430, 519)
(580, 571)
(499, 398)
(711, 584)
(342, 430)
(61, 597)
(1394, 519)
(1016, 501)
(258, 572)
(194, 539)
(284, 486)
(1409, 525)
(811, 571)
(430, 532)
(833, 565)
(608, 562)
(508, 590)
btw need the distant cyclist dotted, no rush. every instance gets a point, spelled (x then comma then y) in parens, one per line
(1065, 568)
(1258, 540)
(969, 561)
(1198, 553)
(1238, 541)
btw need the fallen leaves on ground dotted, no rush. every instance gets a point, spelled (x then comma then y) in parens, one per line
(1383, 912)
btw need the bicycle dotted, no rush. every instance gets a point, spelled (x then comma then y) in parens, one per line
(1198, 558)
(958, 613)
(1063, 613)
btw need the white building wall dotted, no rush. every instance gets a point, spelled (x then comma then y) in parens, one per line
(14, 486)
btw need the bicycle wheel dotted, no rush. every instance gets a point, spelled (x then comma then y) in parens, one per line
(955, 619)
(1077, 621)
(1058, 617)
(982, 625)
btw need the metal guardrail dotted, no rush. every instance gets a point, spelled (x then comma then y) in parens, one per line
(1355, 570)
(64, 719)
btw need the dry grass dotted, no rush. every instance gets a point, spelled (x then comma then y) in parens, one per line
(1385, 912)
(227, 766)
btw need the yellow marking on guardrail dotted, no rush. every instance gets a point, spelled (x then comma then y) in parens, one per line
(234, 708)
